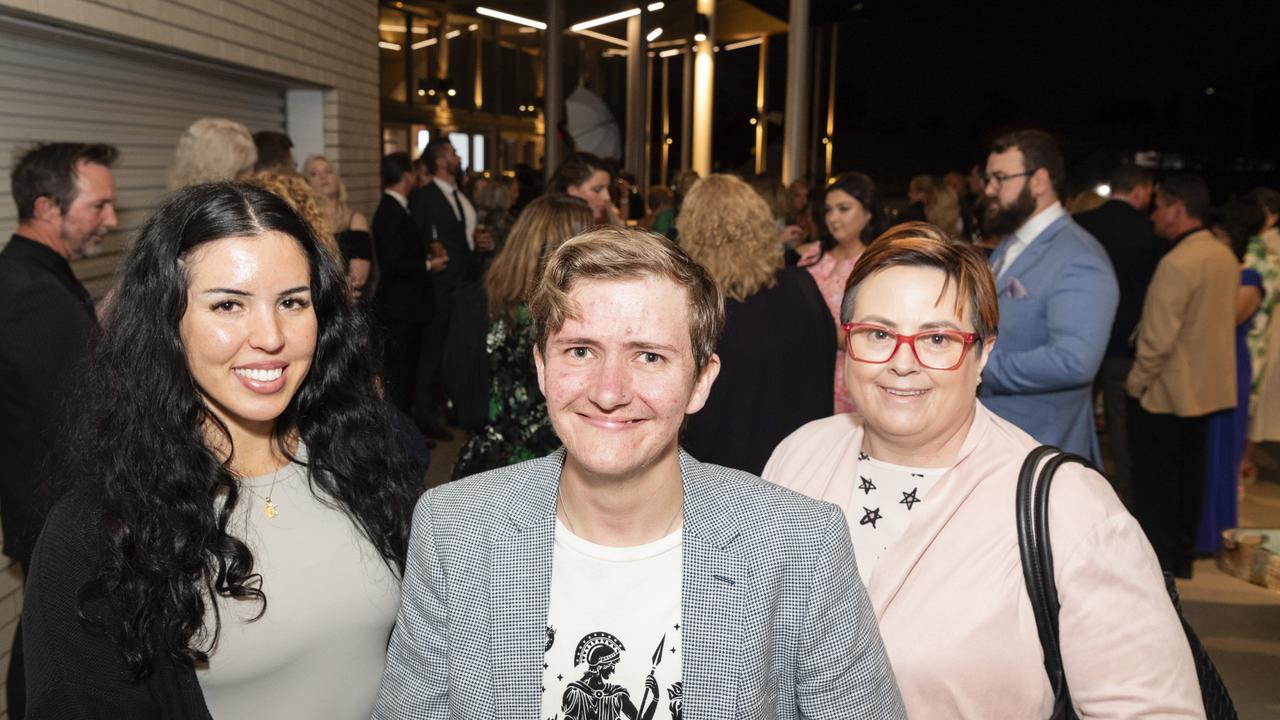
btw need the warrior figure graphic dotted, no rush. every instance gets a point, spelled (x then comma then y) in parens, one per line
(592, 697)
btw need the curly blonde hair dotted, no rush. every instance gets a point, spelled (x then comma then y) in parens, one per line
(294, 190)
(212, 150)
(726, 227)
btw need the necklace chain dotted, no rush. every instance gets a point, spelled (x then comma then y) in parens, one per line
(564, 510)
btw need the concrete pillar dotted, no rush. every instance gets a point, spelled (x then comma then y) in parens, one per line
(553, 85)
(664, 164)
(795, 124)
(703, 84)
(686, 109)
(829, 141)
(637, 70)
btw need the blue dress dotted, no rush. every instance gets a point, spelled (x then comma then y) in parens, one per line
(1228, 430)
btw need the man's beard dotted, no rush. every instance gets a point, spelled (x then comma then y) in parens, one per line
(998, 222)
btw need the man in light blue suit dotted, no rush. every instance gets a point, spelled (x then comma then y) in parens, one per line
(619, 575)
(1057, 293)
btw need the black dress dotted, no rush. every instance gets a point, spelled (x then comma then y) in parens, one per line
(777, 368)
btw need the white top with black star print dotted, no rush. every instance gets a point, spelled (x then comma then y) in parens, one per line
(885, 499)
(614, 618)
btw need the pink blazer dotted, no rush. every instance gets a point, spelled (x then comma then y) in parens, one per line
(952, 604)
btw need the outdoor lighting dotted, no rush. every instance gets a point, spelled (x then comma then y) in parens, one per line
(473, 27)
(701, 27)
(421, 92)
(669, 141)
(388, 45)
(654, 34)
(826, 141)
(424, 43)
(523, 30)
(744, 43)
(431, 92)
(603, 37)
(1103, 189)
(498, 14)
(752, 121)
(669, 53)
(453, 34)
(605, 20)
(655, 7)
(452, 92)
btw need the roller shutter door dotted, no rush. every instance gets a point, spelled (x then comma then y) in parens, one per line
(58, 85)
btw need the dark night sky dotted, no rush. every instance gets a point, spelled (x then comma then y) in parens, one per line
(923, 86)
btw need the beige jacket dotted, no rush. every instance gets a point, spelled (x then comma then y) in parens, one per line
(950, 598)
(1185, 362)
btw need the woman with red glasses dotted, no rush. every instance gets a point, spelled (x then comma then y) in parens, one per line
(927, 478)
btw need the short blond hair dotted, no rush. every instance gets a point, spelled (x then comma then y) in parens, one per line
(729, 229)
(212, 150)
(618, 253)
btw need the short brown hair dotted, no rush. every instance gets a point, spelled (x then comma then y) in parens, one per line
(617, 253)
(1039, 150)
(918, 244)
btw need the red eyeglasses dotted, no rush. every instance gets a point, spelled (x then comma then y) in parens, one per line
(934, 349)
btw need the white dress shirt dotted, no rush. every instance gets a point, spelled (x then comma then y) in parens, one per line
(468, 211)
(1029, 231)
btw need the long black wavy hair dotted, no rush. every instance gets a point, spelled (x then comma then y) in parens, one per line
(140, 441)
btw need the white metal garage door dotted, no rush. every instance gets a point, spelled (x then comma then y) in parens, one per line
(58, 85)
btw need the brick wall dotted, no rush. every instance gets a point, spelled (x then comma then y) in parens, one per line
(327, 43)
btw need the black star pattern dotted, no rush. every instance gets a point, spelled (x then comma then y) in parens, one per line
(560, 677)
(870, 518)
(920, 475)
(677, 626)
(863, 456)
(673, 649)
(867, 486)
(909, 499)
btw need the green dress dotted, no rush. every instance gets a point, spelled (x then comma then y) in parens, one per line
(518, 428)
(1263, 255)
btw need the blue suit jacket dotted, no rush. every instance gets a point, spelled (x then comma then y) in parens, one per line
(775, 621)
(1057, 303)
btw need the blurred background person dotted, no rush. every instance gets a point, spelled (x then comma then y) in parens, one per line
(275, 152)
(1263, 255)
(777, 353)
(942, 210)
(210, 150)
(661, 199)
(917, 192)
(585, 176)
(1228, 430)
(800, 214)
(350, 228)
(238, 520)
(294, 190)
(774, 193)
(518, 428)
(851, 218)
(665, 222)
(493, 206)
(630, 204)
(1084, 201)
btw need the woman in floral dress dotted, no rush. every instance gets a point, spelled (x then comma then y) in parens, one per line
(518, 428)
(851, 217)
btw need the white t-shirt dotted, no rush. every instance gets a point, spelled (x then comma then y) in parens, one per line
(614, 611)
(883, 503)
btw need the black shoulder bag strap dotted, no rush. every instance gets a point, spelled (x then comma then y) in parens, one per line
(1037, 569)
(1037, 564)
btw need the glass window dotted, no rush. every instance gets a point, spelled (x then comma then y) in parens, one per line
(477, 152)
(462, 144)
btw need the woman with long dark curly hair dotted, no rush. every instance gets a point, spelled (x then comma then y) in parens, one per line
(233, 543)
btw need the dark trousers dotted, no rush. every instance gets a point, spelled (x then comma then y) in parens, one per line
(427, 377)
(400, 345)
(1169, 456)
(1115, 406)
(15, 688)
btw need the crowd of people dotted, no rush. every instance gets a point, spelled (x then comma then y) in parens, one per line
(691, 425)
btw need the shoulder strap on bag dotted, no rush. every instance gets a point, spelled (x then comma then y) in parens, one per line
(1037, 562)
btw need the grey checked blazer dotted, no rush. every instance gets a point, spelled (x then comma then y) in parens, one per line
(775, 621)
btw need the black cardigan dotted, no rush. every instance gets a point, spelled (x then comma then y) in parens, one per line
(73, 672)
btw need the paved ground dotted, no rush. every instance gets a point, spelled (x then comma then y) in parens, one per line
(1238, 622)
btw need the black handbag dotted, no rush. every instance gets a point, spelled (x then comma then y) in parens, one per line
(1037, 569)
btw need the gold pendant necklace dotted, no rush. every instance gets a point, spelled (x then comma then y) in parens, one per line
(269, 508)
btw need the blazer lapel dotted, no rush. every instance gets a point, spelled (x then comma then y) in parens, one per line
(950, 492)
(712, 597)
(1038, 247)
(521, 590)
